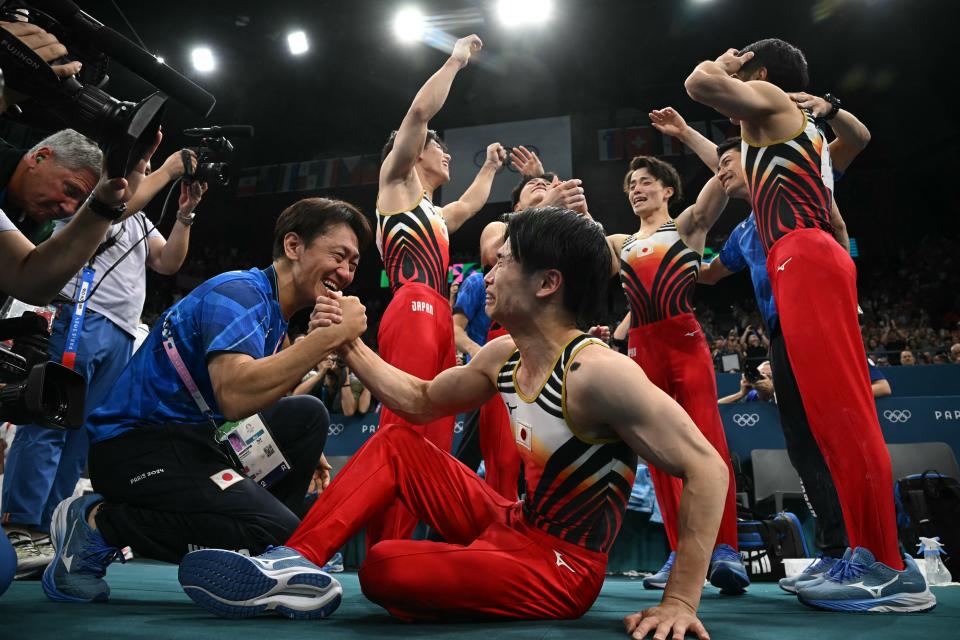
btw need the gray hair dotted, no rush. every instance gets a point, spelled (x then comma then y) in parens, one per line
(73, 151)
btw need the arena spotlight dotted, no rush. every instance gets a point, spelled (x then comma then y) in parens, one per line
(516, 13)
(409, 25)
(202, 58)
(297, 41)
(160, 60)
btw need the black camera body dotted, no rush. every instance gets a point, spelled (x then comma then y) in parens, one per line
(214, 154)
(36, 390)
(124, 130)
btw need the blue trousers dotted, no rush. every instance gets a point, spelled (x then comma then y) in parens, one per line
(44, 465)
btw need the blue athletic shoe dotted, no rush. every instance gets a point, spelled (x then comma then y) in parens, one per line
(727, 571)
(659, 579)
(282, 581)
(334, 564)
(82, 555)
(814, 571)
(865, 585)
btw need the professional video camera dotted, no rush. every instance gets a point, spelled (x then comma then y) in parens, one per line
(124, 130)
(214, 153)
(36, 390)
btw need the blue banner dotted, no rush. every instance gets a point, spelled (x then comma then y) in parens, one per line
(346, 435)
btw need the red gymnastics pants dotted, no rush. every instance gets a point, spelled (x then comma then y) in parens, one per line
(498, 447)
(416, 336)
(815, 287)
(674, 355)
(493, 564)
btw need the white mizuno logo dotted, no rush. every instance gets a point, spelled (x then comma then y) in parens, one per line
(874, 591)
(691, 334)
(68, 560)
(782, 266)
(561, 562)
(268, 564)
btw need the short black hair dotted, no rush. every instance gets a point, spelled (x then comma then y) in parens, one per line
(312, 217)
(431, 136)
(576, 246)
(515, 194)
(726, 145)
(786, 65)
(659, 169)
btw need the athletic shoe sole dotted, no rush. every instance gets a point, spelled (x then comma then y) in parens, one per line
(730, 581)
(795, 587)
(897, 603)
(58, 526)
(231, 585)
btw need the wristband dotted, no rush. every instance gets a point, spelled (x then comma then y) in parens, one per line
(835, 103)
(104, 210)
(187, 220)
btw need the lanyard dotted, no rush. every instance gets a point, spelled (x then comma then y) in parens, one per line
(76, 322)
(170, 347)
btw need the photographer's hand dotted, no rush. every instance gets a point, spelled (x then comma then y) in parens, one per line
(43, 44)
(116, 191)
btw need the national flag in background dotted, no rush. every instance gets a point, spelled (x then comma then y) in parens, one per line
(307, 176)
(327, 171)
(671, 146)
(350, 169)
(247, 182)
(267, 178)
(288, 177)
(639, 141)
(610, 142)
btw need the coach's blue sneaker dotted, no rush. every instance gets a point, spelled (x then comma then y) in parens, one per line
(727, 571)
(659, 579)
(281, 581)
(82, 555)
(814, 571)
(334, 564)
(865, 585)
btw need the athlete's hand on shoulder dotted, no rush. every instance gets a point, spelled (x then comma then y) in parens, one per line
(326, 311)
(466, 47)
(815, 105)
(731, 62)
(668, 122)
(496, 154)
(665, 622)
(526, 162)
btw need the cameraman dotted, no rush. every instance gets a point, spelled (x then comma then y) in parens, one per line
(35, 274)
(757, 387)
(45, 464)
(167, 485)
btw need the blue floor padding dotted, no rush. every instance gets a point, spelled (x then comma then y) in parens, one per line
(146, 602)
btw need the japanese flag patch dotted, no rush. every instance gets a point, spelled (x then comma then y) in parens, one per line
(226, 478)
(524, 435)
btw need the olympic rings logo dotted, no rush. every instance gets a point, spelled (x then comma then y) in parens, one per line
(897, 415)
(335, 429)
(746, 419)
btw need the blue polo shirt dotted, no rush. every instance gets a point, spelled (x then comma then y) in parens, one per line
(743, 249)
(472, 302)
(235, 312)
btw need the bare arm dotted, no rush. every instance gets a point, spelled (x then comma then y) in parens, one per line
(460, 337)
(852, 135)
(420, 401)
(363, 403)
(699, 218)
(839, 226)
(615, 244)
(473, 199)
(170, 170)
(609, 389)
(167, 256)
(620, 333)
(244, 385)
(737, 396)
(713, 272)
(348, 403)
(881, 388)
(670, 123)
(398, 167)
(35, 274)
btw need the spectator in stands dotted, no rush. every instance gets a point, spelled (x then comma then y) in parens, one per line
(878, 382)
(754, 345)
(955, 353)
(354, 397)
(730, 357)
(760, 390)
(907, 358)
(894, 340)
